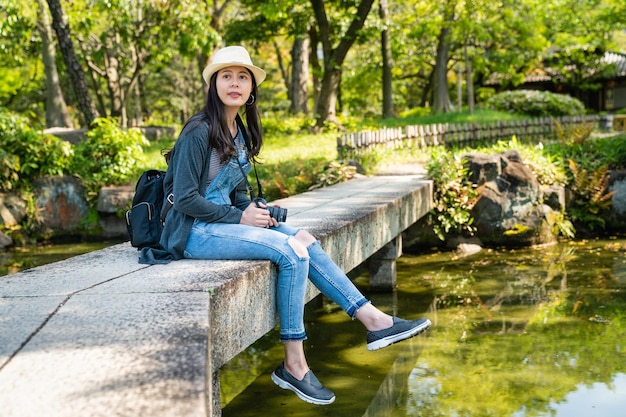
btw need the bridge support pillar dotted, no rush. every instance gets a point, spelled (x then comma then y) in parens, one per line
(382, 266)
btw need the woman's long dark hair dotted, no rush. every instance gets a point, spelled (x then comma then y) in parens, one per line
(219, 133)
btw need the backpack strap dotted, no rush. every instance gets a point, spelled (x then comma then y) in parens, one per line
(169, 203)
(246, 139)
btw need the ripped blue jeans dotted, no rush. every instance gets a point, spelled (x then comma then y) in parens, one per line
(236, 241)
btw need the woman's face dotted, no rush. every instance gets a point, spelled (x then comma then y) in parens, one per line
(234, 85)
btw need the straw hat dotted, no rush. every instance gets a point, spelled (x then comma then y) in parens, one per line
(232, 56)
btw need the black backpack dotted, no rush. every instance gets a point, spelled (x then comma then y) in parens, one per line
(145, 219)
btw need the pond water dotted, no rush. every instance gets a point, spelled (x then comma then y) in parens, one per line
(533, 332)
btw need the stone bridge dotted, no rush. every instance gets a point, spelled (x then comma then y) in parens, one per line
(101, 335)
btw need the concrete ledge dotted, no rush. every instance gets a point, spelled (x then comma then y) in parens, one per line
(101, 335)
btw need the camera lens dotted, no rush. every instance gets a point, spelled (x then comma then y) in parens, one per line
(280, 214)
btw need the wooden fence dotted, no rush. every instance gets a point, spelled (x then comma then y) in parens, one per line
(458, 134)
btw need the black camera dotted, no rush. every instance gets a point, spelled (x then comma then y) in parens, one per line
(280, 214)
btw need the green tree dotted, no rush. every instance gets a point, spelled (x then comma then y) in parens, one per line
(280, 23)
(142, 59)
(20, 54)
(119, 39)
(74, 68)
(56, 108)
(335, 46)
(580, 33)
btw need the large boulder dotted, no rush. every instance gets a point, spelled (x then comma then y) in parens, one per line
(12, 212)
(61, 205)
(5, 241)
(510, 209)
(113, 201)
(616, 218)
(12, 209)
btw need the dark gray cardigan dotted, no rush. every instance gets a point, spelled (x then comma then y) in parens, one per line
(186, 178)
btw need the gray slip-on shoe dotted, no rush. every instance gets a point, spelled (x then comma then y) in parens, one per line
(309, 389)
(401, 330)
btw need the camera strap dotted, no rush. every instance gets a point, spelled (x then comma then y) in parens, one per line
(246, 139)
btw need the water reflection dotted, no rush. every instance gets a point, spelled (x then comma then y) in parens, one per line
(597, 399)
(536, 332)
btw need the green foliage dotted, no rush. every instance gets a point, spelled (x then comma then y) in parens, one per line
(371, 158)
(286, 125)
(415, 112)
(453, 197)
(561, 226)
(594, 152)
(334, 173)
(166, 41)
(27, 154)
(21, 73)
(108, 156)
(591, 196)
(290, 177)
(575, 133)
(536, 103)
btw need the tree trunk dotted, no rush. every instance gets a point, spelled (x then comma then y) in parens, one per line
(75, 70)
(459, 86)
(112, 69)
(427, 91)
(95, 73)
(441, 93)
(299, 93)
(469, 82)
(385, 43)
(284, 72)
(141, 106)
(334, 57)
(315, 65)
(327, 101)
(56, 108)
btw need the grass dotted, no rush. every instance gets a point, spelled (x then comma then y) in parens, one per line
(276, 148)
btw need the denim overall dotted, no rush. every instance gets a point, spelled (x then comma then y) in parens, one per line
(226, 241)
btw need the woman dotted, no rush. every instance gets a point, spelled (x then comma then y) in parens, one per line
(213, 218)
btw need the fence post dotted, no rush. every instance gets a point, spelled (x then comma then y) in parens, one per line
(421, 135)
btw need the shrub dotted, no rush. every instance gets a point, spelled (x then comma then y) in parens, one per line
(279, 124)
(27, 154)
(454, 196)
(593, 153)
(592, 197)
(334, 173)
(108, 156)
(536, 103)
(290, 177)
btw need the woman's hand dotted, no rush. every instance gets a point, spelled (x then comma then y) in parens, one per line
(258, 217)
